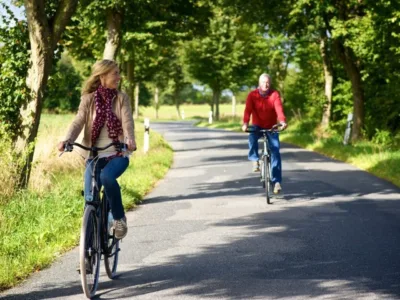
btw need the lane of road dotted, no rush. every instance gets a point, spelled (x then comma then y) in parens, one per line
(205, 231)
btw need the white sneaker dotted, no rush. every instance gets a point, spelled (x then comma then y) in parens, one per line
(277, 188)
(256, 166)
(120, 228)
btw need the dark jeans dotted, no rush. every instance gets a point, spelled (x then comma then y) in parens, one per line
(274, 145)
(107, 174)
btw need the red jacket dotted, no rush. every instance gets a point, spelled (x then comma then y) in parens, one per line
(265, 111)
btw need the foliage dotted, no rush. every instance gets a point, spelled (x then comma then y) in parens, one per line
(149, 28)
(14, 65)
(342, 104)
(382, 137)
(368, 30)
(211, 59)
(145, 96)
(63, 88)
(304, 85)
(227, 57)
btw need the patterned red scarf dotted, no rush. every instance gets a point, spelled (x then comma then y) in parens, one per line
(103, 98)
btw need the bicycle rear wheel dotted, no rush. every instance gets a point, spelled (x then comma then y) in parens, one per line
(89, 252)
(111, 254)
(267, 180)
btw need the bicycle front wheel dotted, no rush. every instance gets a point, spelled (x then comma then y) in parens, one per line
(267, 178)
(262, 173)
(89, 252)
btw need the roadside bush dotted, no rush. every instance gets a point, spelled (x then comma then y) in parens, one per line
(382, 137)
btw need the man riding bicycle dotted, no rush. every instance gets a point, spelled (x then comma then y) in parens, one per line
(264, 106)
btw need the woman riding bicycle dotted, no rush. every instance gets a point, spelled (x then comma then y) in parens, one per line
(105, 115)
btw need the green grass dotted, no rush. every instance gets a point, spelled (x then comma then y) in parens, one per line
(381, 161)
(191, 111)
(40, 224)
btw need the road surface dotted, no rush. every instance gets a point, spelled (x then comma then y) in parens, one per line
(206, 232)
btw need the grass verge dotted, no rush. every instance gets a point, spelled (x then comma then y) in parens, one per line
(40, 224)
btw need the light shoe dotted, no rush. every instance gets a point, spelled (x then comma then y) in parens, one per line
(120, 228)
(277, 188)
(256, 166)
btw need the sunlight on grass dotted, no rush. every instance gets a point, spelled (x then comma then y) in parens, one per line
(40, 224)
(380, 161)
(191, 111)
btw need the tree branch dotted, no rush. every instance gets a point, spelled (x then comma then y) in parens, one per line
(65, 10)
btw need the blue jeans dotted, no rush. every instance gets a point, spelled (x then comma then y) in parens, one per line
(107, 174)
(274, 145)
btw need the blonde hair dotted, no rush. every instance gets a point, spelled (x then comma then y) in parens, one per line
(101, 67)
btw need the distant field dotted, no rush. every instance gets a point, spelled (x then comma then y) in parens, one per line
(168, 112)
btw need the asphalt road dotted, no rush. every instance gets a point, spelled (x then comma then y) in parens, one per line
(206, 232)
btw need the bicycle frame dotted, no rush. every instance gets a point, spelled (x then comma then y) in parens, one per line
(266, 152)
(101, 206)
(95, 237)
(265, 170)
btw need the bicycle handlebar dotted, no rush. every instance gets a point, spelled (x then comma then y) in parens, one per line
(68, 147)
(275, 128)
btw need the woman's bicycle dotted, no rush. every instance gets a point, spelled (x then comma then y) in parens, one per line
(265, 158)
(97, 236)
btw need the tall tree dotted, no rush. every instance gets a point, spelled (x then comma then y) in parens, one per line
(46, 22)
(215, 59)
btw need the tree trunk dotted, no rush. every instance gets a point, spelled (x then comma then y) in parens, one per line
(348, 59)
(177, 104)
(328, 76)
(233, 105)
(216, 94)
(156, 104)
(38, 75)
(136, 114)
(130, 77)
(114, 23)
(44, 35)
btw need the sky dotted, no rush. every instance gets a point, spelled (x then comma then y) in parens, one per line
(18, 11)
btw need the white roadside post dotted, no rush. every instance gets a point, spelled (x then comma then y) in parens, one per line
(210, 117)
(347, 132)
(183, 114)
(146, 135)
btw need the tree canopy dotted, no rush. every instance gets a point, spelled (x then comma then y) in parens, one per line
(327, 58)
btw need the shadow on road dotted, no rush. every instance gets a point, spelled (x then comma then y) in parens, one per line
(334, 250)
(353, 243)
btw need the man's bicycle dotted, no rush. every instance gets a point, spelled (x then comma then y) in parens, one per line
(265, 159)
(97, 236)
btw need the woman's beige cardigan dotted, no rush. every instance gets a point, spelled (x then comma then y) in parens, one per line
(87, 112)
